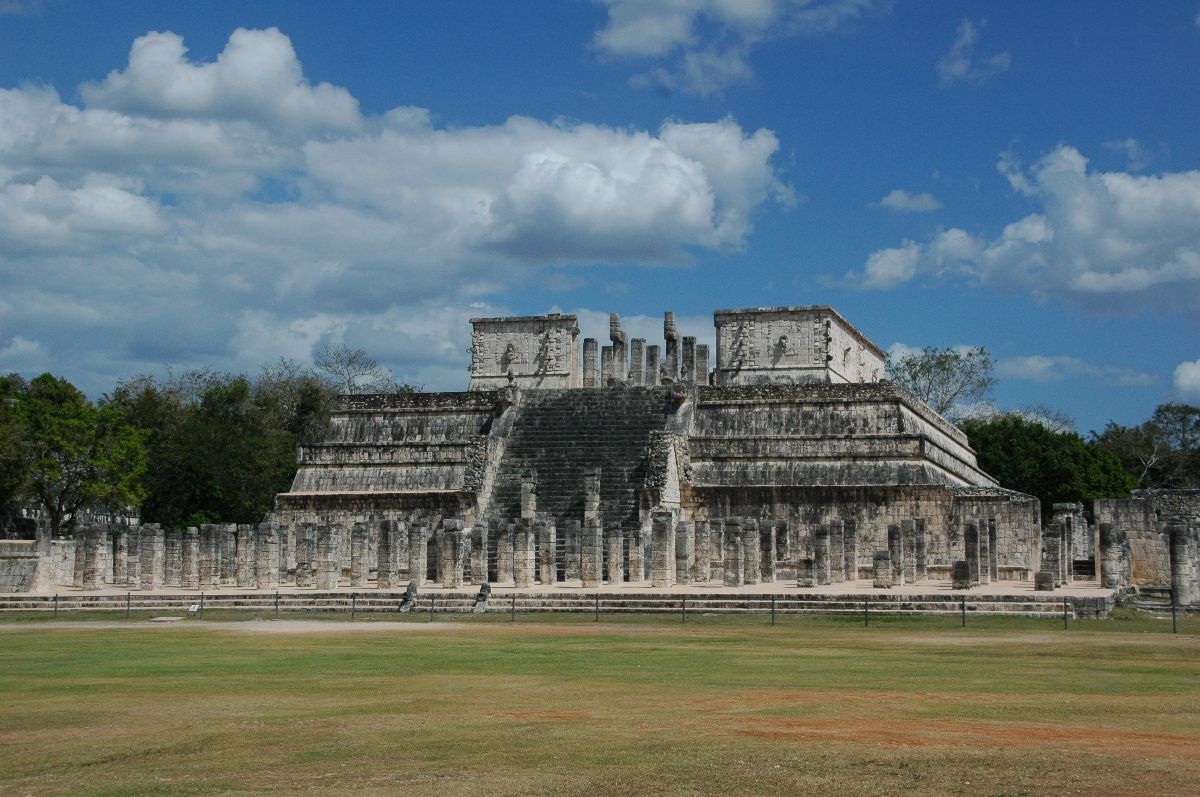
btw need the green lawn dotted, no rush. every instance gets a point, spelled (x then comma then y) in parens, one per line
(631, 705)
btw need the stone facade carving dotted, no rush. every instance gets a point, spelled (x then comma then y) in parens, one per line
(536, 351)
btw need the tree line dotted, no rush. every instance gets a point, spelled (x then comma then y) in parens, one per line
(211, 447)
(199, 446)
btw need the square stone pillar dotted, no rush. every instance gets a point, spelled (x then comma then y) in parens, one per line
(505, 539)
(209, 556)
(702, 560)
(246, 557)
(573, 550)
(662, 564)
(592, 555)
(172, 558)
(671, 361)
(882, 570)
(153, 556)
(266, 548)
(120, 541)
(685, 552)
(751, 549)
(716, 531)
(227, 539)
(614, 540)
(922, 546)
(850, 550)
(994, 551)
(606, 365)
(895, 541)
(652, 366)
(360, 555)
(822, 570)
(524, 560)
(702, 367)
(985, 554)
(450, 548)
(133, 554)
(620, 354)
(687, 367)
(284, 541)
(1183, 566)
(591, 365)
(637, 362)
(766, 535)
(734, 558)
(388, 567)
(908, 530)
(971, 544)
(306, 554)
(92, 536)
(418, 540)
(479, 553)
(328, 568)
(837, 550)
(547, 551)
(1051, 554)
(189, 576)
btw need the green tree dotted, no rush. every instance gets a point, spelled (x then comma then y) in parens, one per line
(1164, 451)
(945, 378)
(1054, 466)
(14, 458)
(78, 454)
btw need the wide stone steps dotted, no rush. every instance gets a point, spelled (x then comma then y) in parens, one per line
(576, 602)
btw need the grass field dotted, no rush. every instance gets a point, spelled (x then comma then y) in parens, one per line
(628, 706)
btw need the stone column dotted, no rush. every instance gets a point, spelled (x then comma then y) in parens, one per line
(687, 368)
(133, 553)
(360, 551)
(716, 530)
(152, 554)
(606, 365)
(702, 560)
(614, 540)
(735, 564)
(1183, 569)
(246, 578)
(922, 541)
(266, 548)
(418, 539)
(388, 568)
(1112, 542)
(637, 553)
(908, 531)
(971, 543)
(479, 553)
(766, 534)
(662, 566)
(91, 578)
(993, 550)
(985, 555)
(882, 572)
(784, 553)
(172, 558)
(1051, 553)
(547, 542)
(805, 573)
(685, 552)
(505, 543)
(837, 551)
(328, 560)
(121, 555)
(671, 335)
(227, 537)
(822, 571)
(620, 365)
(652, 365)
(284, 534)
(523, 555)
(850, 550)
(591, 553)
(960, 574)
(450, 548)
(702, 364)
(591, 376)
(637, 362)
(572, 549)
(306, 554)
(190, 567)
(895, 540)
(751, 550)
(209, 571)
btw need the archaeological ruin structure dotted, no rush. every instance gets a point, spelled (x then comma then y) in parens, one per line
(784, 456)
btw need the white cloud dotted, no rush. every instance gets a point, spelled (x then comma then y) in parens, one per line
(1187, 378)
(1042, 368)
(900, 200)
(1100, 237)
(961, 65)
(1137, 155)
(220, 213)
(706, 44)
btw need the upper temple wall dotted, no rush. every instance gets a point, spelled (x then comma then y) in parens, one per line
(793, 345)
(535, 351)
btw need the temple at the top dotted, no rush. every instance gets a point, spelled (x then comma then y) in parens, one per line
(761, 345)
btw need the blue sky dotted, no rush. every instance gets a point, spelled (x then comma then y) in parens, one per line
(219, 184)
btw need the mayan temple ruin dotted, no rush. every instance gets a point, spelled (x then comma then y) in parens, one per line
(784, 457)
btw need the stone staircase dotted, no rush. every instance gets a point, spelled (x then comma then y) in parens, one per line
(560, 434)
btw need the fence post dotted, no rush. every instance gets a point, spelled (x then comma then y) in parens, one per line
(128, 604)
(201, 612)
(772, 610)
(866, 613)
(597, 607)
(353, 605)
(964, 611)
(276, 604)
(1174, 626)
(56, 605)
(683, 609)
(432, 600)
(1065, 604)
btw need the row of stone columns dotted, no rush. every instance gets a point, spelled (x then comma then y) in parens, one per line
(635, 363)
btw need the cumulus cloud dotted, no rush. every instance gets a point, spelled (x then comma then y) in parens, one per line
(905, 202)
(704, 46)
(1104, 238)
(961, 64)
(193, 213)
(1187, 380)
(1042, 368)
(1137, 156)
